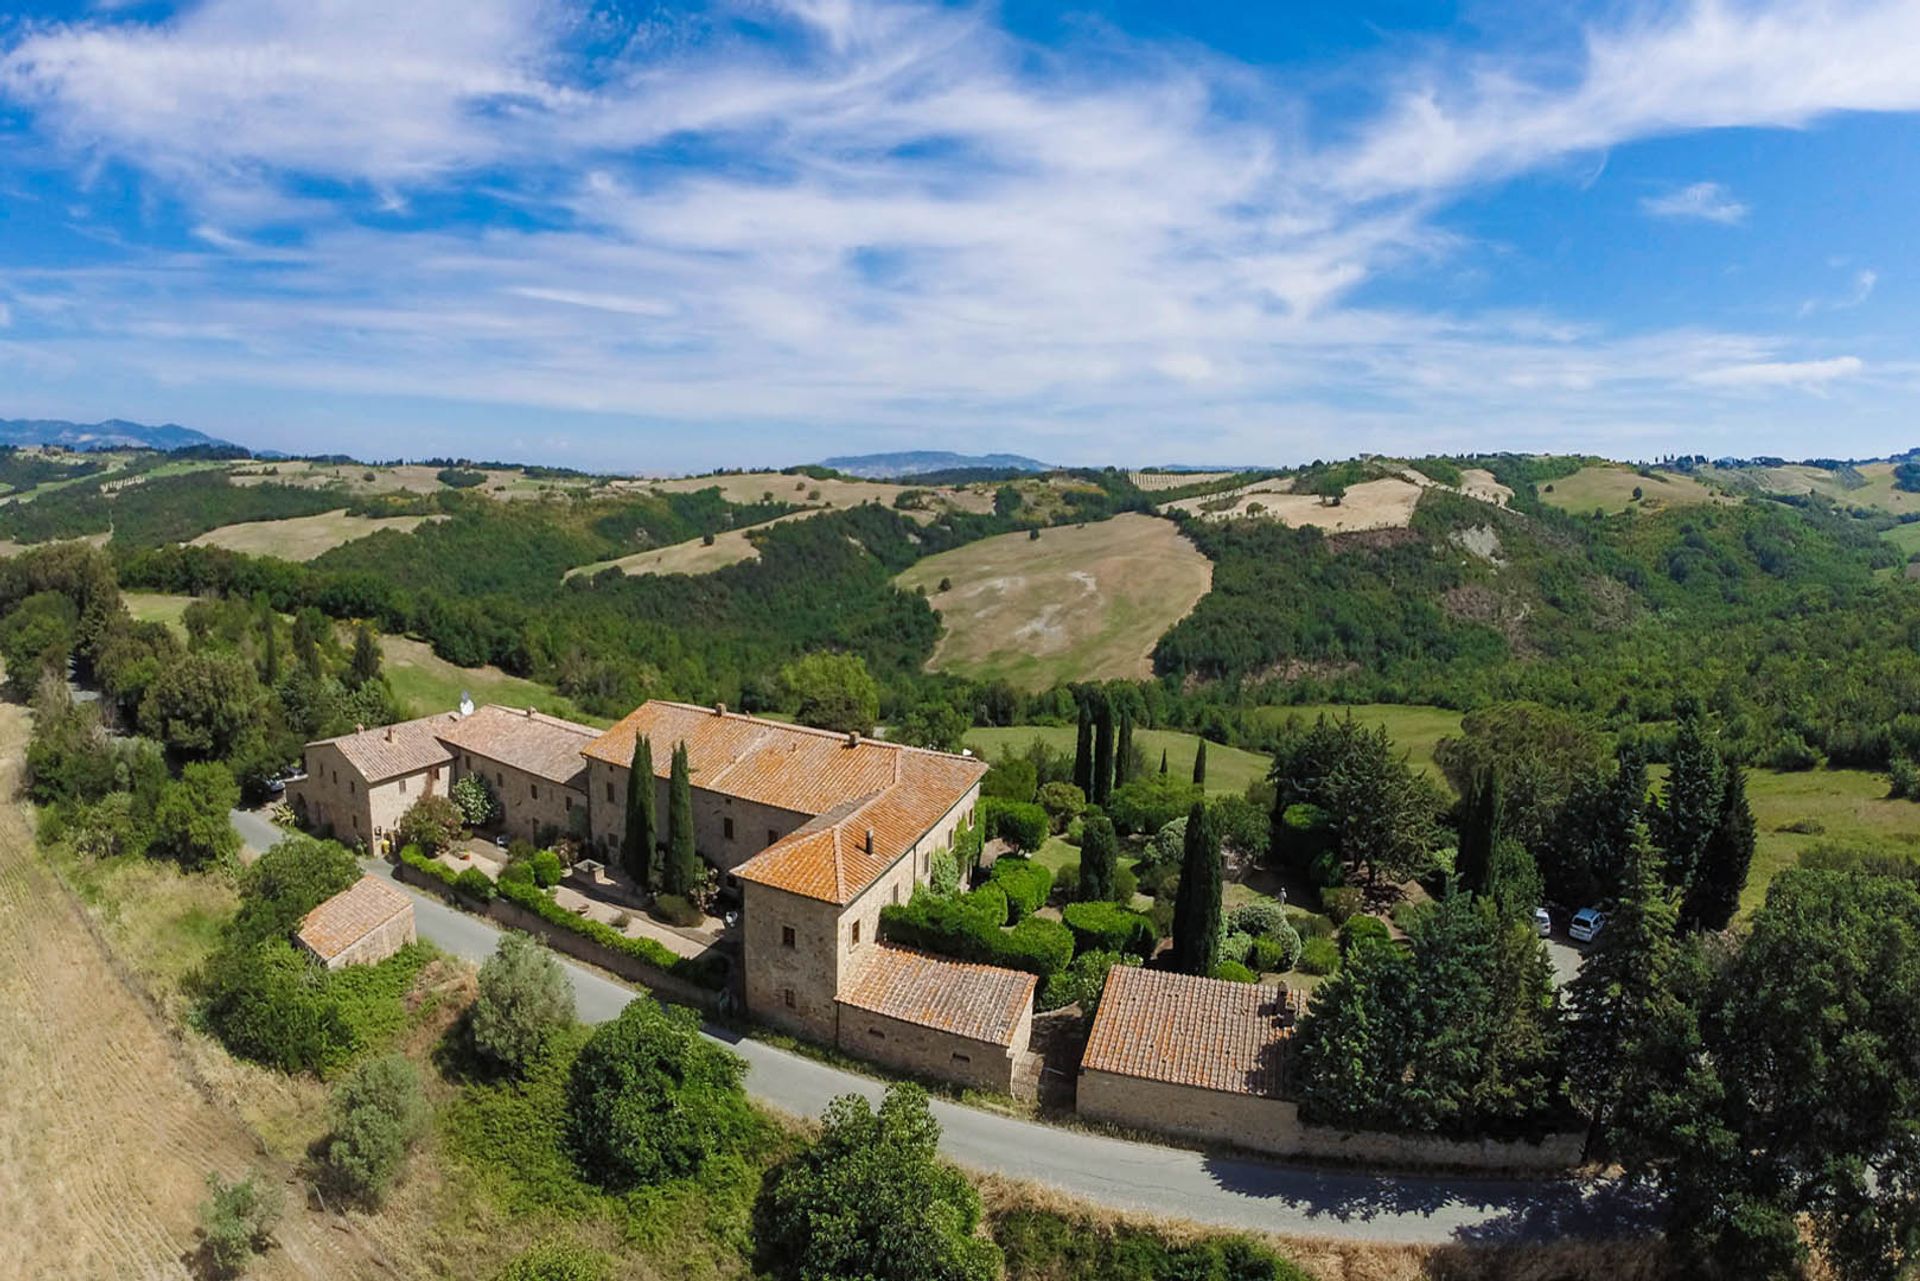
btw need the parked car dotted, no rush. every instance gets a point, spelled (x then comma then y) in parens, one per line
(1543, 921)
(1586, 925)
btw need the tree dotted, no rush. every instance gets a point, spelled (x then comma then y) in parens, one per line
(269, 640)
(1480, 823)
(1513, 881)
(524, 998)
(1584, 857)
(1102, 791)
(1200, 764)
(1540, 755)
(933, 724)
(1715, 893)
(236, 1222)
(309, 625)
(1377, 812)
(379, 1112)
(297, 875)
(1196, 906)
(557, 1261)
(473, 797)
(1063, 803)
(1163, 760)
(682, 871)
(366, 657)
(642, 834)
(1083, 752)
(200, 705)
(431, 823)
(1690, 809)
(871, 1198)
(650, 1099)
(833, 691)
(1099, 854)
(1123, 749)
(191, 824)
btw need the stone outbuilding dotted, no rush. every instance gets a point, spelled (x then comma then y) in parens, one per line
(933, 1017)
(363, 924)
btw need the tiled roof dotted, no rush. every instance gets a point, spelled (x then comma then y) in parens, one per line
(1191, 1031)
(980, 1002)
(391, 750)
(350, 915)
(848, 785)
(544, 746)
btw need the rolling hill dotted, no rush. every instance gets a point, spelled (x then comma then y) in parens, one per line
(916, 462)
(114, 433)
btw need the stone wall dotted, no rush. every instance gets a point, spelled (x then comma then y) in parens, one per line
(1273, 1125)
(727, 830)
(929, 1052)
(791, 985)
(530, 805)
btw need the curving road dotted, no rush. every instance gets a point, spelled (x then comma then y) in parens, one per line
(1227, 1191)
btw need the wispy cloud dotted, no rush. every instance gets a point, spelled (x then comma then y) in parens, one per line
(1812, 374)
(1705, 201)
(1859, 289)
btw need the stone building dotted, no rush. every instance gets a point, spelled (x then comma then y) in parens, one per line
(533, 763)
(932, 1017)
(361, 925)
(358, 785)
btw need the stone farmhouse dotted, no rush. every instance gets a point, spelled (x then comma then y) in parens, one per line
(361, 925)
(816, 830)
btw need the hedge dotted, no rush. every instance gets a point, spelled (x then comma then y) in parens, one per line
(1234, 972)
(1026, 885)
(704, 972)
(1319, 956)
(967, 928)
(471, 881)
(1021, 824)
(1108, 927)
(1363, 929)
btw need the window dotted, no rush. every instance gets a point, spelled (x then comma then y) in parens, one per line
(500, 780)
(876, 1034)
(609, 789)
(349, 787)
(961, 1058)
(772, 836)
(787, 996)
(896, 896)
(786, 936)
(536, 790)
(855, 940)
(569, 805)
(403, 787)
(726, 828)
(468, 760)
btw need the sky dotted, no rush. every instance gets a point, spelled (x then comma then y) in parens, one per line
(756, 232)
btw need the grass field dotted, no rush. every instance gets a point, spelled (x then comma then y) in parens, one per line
(1905, 537)
(751, 487)
(1610, 489)
(425, 683)
(155, 607)
(301, 537)
(1080, 603)
(694, 556)
(1414, 729)
(1849, 806)
(1229, 769)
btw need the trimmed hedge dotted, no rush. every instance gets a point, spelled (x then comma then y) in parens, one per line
(1108, 927)
(1234, 972)
(1025, 883)
(967, 928)
(1021, 824)
(705, 973)
(1319, 956)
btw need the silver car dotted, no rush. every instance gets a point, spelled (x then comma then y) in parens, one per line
(1586, 925)
(1542, 922)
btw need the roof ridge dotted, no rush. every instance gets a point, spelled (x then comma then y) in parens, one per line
(865, 740)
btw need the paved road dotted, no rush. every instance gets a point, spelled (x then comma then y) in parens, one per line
(1226, 1191)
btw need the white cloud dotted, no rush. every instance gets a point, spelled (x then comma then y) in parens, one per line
(1706, 201)
(1810, 374)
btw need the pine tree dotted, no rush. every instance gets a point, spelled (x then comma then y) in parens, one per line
(1083, 753)
(1513, 881)
(682, 871)
(643, 828)
(1200, 764)
(1102, 755)
(1714, 895)
(1196, 905)
(1123, 749)
(1099, 851)
(1690, 810)
(1480, 817)
(366, 656)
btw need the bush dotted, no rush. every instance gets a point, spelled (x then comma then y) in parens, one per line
(943, 873)
(1363, 930)
(1234, 972)
(547, 871)
(1234, 946)
(1804, 827)
(966, 927)
(676, 910)
(379, 1112)
(1083, 982)
(1066, 883)
(475, 883)
(288, 881)
(1312, 925)
(237, 1220)
(1108, 927)
(1903, 779)
(1168, 848)
(650, 1099)
(1259, 918)
(473, 796)
(524, 997)
(430, 823)
(1242, 825)
(1319, 956)
(558, 1261)
(1341, 902)
(1266, 957)
(1021, 825)
(1013, 779)
(1063, 803)
(1026, 885)
(519, 873)
(1041, 1245)
(1148, 804)
(1125, 884)
(273, 1005)
(705, 973)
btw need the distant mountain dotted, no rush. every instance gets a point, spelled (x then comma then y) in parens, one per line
(915, 462)
(115, 433)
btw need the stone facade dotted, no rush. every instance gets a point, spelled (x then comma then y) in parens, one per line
(931, 1052)
(727, 830)
(339, 803)
(530, 806)
(377, 944)
(791, 961)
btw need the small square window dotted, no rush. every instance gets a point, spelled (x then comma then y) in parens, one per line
(876, 1034)
(788, 997)
(403, 787)
(786, 936)
(961, 1058)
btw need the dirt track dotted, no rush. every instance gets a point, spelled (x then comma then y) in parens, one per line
(105, 1141)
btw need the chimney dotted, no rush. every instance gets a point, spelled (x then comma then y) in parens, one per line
(869, 840)
(358, 728)
(853, 738)
(389, 733)
(719, 709)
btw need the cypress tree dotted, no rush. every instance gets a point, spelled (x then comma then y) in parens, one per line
(1102, 756)
(269, 641)
(683, 862)
(307, 626)
(1083, 753)
(1196, 906)
(1200, 764)
(1715, 893)
(1480, 820)
(1123, 749)
(1690, 811)
(643, 827)
(1099, 851)
(1163, 760)
(366, 656)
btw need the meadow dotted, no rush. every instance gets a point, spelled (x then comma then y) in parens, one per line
(301, 538)
(1610, 489)
(1229, 769)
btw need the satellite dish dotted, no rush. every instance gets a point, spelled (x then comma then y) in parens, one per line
(466, 703)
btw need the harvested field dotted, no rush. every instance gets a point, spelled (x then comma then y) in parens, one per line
(751, 487)
(302, 537)
(1078, 603)
(1386, 503)
(1477, 482)
(107, 1135)
(1610, 489)
(694, 556)
(1154, 481)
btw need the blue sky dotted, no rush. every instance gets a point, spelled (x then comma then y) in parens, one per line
(671, 237)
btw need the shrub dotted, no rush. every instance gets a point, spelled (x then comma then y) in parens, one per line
(705, 973)
(1083, 982)
(1311, 925)
(943, 873)
(430, 823)
(1161, 914)
(1041, 1244)
(1063, 803)
(273, 1005)
(1790, 753)
(1341, 902)
(676, 910)
(475, 884)
(521, 850)
(1066, 883)
(473, 796)
(1021, 825)
(1242, 825)
(966, 927)
(1903, 779)
(1013, 779)
(1363, 930)
(546, 869)
(1148, 804)
(651, 1099)
(237, 1220)
(288, 881)
(1319, 956)
(1125, 884)
(1234, 972)
(1258, 918)
(1234, 946)
(1169, 844)
(1266, 957)
(558, 1261)
(379, 1112)
(1108, 927)
(524, 997)
(1026, 885)
(1804, 827)
(520, 873)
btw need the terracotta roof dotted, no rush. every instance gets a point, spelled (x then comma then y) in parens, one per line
(847, 785)
(980, 1002)
(349, 916)
(387, 751)
(1191, 1031)
(544, 746)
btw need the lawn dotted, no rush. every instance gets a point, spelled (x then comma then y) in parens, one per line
(1079, 603)
(1414, 729)
(425, 683)
(1229, 769)
(301, 538)
(1905, 537)
(154, 607)
(1610, 489)
(1849, 806)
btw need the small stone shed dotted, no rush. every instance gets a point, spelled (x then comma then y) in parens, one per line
(934, 1017)
(363, 924)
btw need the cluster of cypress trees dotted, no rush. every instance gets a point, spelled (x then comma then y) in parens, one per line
(672, 867)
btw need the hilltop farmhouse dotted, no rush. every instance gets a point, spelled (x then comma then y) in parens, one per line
(816, 830)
